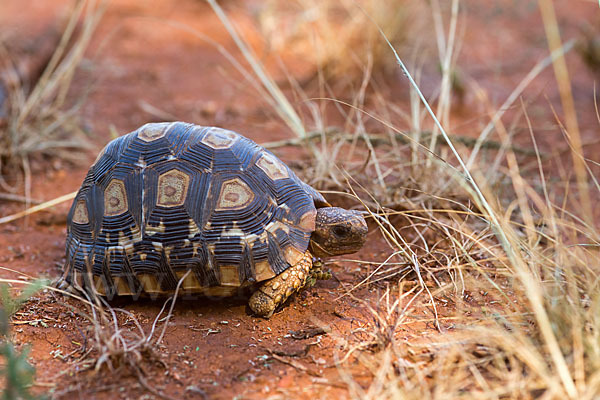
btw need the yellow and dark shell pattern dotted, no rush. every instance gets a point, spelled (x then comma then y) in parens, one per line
(170, 198)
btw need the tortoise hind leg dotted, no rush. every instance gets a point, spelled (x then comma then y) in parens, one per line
(275, 291)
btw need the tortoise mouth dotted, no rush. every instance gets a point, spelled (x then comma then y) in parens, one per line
(318, 250)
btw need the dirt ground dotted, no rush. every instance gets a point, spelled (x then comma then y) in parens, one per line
(151, 54)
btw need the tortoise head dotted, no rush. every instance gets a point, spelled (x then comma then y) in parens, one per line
(337, 231)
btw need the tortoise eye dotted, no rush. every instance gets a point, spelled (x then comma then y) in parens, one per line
(340, 230)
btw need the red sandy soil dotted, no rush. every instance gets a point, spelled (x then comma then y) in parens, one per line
(152, 52)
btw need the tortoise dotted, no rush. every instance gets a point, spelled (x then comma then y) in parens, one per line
(202, 207)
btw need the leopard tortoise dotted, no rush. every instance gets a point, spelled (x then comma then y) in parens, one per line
(170, 198)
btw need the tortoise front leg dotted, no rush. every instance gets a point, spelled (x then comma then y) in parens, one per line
(275, 291)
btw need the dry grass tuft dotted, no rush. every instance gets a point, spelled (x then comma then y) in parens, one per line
(499, 340)
(43, 120)
(115, 347)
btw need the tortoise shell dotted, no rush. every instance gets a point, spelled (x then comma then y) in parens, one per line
(173, 197)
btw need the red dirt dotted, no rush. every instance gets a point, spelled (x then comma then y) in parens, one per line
(145, 53)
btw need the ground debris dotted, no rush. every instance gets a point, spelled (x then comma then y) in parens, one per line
(310, 332)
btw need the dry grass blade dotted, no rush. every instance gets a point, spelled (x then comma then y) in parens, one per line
(566, 96)
(446, 56)
(38, 208)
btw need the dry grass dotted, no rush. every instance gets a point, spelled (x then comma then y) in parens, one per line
(114, 347)
(505, 270)
(43, 121)
(538, 339)
(116, 344)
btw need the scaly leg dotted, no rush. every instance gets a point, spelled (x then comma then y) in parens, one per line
(275, 291)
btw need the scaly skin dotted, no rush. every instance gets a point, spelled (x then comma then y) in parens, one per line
(275, 291)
